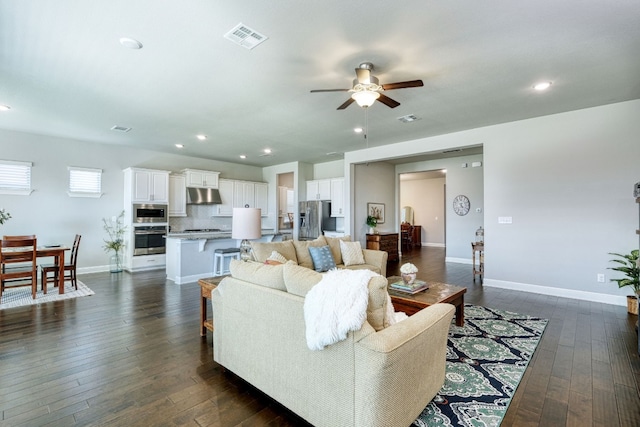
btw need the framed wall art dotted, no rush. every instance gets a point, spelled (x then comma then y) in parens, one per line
(376, 210)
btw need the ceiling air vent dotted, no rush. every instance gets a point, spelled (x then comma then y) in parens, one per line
(121, 129)
(408, 118)
(245, 36)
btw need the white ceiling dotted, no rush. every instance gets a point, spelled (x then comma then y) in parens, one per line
(64, 73)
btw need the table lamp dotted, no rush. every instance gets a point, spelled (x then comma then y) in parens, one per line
(246, 225)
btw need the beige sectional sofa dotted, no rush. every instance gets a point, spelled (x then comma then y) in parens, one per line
(298, 251)
(381, 375)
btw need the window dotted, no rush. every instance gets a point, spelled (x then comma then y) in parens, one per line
(85, 182)
(15, 177)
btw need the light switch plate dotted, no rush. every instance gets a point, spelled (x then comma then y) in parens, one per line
(505, 220)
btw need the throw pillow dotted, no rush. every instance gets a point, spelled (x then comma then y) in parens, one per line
(302, 250)
(262, 250)
(322, 258)
(257, 273)
(275, 258)
(299, 280)
(351, 253)
(334, 244)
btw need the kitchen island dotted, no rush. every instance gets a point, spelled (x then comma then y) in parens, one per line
(190, 254)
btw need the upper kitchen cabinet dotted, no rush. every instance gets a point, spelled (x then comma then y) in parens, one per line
(319, 189)
(201, 179)
(146, 185)
(328, 189)
(337, 197)
(238, 194)
(225, 187)
(177, 195)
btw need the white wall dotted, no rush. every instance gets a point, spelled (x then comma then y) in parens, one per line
(426, 197)
(567, 182)
(54, 217)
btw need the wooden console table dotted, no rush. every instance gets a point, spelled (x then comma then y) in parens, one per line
(387, 242)
(206, 286)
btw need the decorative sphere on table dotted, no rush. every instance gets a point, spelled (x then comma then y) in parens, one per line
(408, 272)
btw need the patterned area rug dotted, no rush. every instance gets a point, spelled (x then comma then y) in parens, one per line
(17, 297)
(485, 362)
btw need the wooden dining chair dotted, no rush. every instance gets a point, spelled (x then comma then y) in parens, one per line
(406, 236)
(69, 268)
(18, 263)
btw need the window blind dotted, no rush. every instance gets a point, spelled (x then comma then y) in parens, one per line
(15, 177)
(85, 182)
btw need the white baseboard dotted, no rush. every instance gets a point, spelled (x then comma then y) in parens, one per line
(435, 245)
(93, 269)
(179, 280)
(459, 260)
(557, 292)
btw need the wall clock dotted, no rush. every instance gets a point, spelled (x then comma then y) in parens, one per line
(461, 205)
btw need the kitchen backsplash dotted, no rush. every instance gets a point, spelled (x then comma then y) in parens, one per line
(199, 217)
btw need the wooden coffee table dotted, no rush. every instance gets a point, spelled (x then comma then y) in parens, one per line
(437, 293)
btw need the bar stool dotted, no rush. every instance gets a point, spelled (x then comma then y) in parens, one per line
(219, 256)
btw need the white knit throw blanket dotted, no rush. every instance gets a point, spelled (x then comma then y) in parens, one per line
(335, 306)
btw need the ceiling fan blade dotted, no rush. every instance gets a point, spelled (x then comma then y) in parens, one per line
(363, 75)
(400, 85)
(388, 101)
(346, 104)
(330, 90)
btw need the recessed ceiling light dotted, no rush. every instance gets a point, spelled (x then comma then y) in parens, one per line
(201, 137)
(358, 130)
(179, 146)
(542, 86)
(130, 43)
(267, 150)
(4, 108)
(242, 156)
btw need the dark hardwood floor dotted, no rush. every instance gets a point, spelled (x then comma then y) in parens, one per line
(131, 355)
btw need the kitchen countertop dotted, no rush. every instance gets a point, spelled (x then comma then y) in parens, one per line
(210, 234)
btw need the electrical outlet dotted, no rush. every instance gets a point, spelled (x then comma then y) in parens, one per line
(601, 277)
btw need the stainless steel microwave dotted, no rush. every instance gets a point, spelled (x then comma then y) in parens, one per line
(145, 213)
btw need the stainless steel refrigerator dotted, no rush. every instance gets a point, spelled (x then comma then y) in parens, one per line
(315, 217)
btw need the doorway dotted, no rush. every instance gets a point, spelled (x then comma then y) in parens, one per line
(424, 192)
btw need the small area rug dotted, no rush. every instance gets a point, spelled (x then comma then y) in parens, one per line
(17, 297)
(485, 362)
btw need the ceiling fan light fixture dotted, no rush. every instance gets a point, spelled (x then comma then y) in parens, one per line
(365, 98)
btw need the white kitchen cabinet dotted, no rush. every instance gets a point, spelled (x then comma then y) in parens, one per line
(337, 197)
(201, 179)
(319, 189)
(262, 197)
(225, 187)
(147, 185)
(238, 194)
(177, 195)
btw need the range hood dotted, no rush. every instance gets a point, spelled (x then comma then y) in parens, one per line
(203, 196)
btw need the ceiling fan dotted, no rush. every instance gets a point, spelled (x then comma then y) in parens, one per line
(366, 89)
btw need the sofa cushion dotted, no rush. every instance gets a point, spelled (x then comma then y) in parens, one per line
(302, 250)
(334, 244)
(270, 276)
(262, 250)
(299, 280)
(322, 258)
(351, 253)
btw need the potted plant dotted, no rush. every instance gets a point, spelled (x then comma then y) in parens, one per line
(4, 216)
(372, 222)
(115, 229)
(628, 266)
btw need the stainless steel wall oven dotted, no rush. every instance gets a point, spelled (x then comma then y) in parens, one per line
(150, 240)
